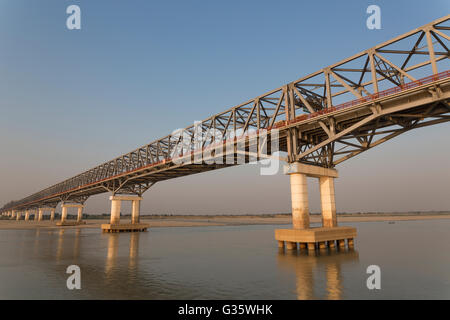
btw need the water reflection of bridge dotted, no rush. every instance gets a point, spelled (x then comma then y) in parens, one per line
(108, 271)
(305, 265)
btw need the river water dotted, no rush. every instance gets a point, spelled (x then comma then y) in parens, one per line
(232, 262)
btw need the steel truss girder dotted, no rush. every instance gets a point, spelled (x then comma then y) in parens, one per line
(388, 64)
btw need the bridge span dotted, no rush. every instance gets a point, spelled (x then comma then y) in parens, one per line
(313, 123)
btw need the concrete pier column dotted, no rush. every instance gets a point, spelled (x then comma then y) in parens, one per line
(116, 204)
(299, 198)
(135, 211)
(27, 215)
(298, 173)
(36, 215)
(41, 213)
(63, 213)
(13, 214)
(52, 215)
(328, 202)
(19, 215)
(301, 231)
(80, 214)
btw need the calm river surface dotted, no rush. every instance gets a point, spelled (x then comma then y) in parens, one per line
(234, 262)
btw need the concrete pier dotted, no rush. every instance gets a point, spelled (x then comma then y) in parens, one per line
(41, 211)
(80, 214)
(19, 215)
(27, 215)
(135, 211)
(64, 220)
(116, 204)
(328, 202)
(320, 238)
(299, 196)
(115, 225)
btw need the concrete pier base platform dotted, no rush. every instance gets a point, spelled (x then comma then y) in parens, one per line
(315, 238)
(125, 227)
(69, 223)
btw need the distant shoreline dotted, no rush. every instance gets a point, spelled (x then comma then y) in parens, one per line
(161, 221)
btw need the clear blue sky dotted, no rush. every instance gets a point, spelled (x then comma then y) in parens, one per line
(70, 100)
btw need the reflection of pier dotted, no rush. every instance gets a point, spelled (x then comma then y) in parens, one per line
(110, 270)
(306, 264)
(60, 245)
(113, 249)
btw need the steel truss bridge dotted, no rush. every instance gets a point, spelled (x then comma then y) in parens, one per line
(322, 119)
